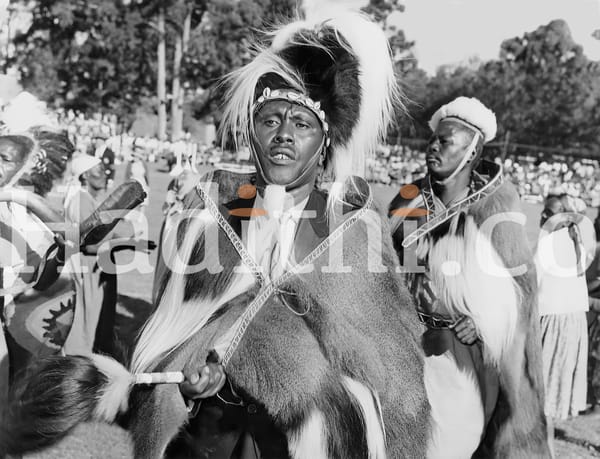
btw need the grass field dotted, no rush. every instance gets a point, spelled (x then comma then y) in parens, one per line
(580, 437)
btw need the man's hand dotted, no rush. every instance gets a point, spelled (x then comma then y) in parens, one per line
(466, 331)
(61, 245)
(203, 383)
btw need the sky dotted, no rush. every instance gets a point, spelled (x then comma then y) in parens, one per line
(451, 31)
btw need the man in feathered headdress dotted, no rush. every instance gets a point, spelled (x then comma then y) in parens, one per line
(332, 341)
(459, 233)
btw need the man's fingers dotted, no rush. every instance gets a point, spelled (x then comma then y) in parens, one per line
(462, 335)
(199, 388)
(467, 338)
(204, 383)
(217, 386)
(191, 376)
(460, 327)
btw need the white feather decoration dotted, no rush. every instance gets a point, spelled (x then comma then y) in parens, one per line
(380, 92)
(472, 281)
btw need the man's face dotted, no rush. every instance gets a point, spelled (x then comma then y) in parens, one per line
(11, 159)
(96, 177)
(287, 138)
(447, 148)
(552, 207)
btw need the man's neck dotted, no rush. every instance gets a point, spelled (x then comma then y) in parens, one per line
(298, 194)
(94, 192)
(453, 188)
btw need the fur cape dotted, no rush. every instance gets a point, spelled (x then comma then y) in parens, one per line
(332, 358)
(517, 428)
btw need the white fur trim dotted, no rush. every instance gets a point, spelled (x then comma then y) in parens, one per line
(114, 396)
(370, 407)
(310, 440)
(472, 111)
(456, 409)
(472, 281)
(175, 321)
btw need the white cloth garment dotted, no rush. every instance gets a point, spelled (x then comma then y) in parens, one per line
(271, 230)
(561, 289)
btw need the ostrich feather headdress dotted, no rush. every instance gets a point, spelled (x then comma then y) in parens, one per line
(341, 65)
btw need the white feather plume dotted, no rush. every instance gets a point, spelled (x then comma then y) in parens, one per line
(472, 281)
(380, 92)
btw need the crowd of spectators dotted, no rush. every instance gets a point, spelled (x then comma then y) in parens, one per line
(535, 178)
(90, 134)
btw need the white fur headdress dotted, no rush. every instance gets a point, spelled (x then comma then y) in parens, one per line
(343, 64)
(470, 111)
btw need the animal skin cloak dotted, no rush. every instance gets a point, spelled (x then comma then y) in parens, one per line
(481, 265)
(331, 359)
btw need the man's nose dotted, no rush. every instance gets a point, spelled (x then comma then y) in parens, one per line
(433, 146)
(285, 133)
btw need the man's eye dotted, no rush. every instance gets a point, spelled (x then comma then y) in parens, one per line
(270, 122)
(302, 125)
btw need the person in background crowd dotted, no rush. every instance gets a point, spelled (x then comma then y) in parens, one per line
(86, 190)
(593, 316)
(137, 169)
(481, 338)
(561, 260)
(37, 301)
(173, 206)
(107, 156)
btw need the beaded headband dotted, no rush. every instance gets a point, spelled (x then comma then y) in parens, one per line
(296, 98)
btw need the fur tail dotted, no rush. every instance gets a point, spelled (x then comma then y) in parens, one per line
(58, 393)
(370, 408)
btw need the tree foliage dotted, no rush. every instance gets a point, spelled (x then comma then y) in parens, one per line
(101, 54)
(86, 55)
(545, 90)
(542, 87)
(221, 43)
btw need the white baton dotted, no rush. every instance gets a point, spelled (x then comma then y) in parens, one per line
(169, 377)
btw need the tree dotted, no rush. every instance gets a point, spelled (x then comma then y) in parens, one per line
(544, 90)
(85, 55)
(181, 16)
(221, 43)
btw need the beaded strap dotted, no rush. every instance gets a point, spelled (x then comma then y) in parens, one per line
(237, 243)
(451, 211)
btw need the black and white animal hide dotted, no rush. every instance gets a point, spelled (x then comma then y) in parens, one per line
(333, 357)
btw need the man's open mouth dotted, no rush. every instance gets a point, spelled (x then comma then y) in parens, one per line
(282, 154)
